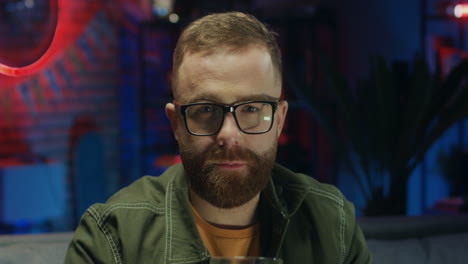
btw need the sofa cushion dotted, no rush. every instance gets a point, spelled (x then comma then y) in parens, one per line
(418, 239)
(451, 249)
(38, 249)
(408, 251)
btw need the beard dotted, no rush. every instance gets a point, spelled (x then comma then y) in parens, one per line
(224, 188)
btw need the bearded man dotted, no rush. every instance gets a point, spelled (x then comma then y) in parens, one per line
(228, 197)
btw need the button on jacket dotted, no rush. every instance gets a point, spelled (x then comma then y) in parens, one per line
(150, 221)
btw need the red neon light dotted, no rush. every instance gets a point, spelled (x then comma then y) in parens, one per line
(72, 18)
(460, 11)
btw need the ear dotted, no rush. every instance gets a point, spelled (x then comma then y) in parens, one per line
(173, 118)
(281, 115)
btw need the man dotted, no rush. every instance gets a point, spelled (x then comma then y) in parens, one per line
(228, 197)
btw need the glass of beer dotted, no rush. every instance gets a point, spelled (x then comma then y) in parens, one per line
(245, 260)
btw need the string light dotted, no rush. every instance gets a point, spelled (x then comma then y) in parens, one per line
(460, 10)
(174, 18)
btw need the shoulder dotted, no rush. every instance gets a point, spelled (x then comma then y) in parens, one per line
(147, 193)
(322, 210)
(313, 201)
(313, 190)
(151, 188)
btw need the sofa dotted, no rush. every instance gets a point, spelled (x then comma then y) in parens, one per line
(433, 239)
(399, 239)
(46, 248)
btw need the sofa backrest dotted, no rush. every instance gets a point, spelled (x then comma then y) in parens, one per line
(414, 240)
(38, 249)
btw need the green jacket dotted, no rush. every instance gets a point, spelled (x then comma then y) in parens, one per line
(150, 221)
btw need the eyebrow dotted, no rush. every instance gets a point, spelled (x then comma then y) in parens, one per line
(216, 99)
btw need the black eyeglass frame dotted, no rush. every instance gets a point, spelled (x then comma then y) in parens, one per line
(227, 109)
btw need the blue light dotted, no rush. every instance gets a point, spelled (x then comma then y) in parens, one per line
(161, 11)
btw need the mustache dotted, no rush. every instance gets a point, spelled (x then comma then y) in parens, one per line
(236, 154)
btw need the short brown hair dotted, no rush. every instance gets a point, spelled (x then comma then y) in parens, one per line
(232, 31)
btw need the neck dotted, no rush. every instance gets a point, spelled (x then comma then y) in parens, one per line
(238, 217)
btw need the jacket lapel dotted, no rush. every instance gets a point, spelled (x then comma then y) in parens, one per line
(183, 243)
(278, 205)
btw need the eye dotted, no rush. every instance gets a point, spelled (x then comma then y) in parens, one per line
(206, 109)
(250, 108)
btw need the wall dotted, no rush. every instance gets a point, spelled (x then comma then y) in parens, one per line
(370, 28)
(39, 114)
(392, 29)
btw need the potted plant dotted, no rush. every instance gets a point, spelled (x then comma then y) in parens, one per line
(454, 166)
(385, 125)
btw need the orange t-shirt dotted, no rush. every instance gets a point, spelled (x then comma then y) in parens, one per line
(228, 242)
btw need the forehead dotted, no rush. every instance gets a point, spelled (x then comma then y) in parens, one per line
(227, 77)
(216, 98)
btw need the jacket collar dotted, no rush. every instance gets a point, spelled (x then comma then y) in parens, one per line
(280, 202)
(183, 243)
(285, 191)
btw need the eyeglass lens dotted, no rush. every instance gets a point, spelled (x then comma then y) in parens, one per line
(252, 117)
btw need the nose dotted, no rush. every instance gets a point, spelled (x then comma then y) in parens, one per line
(229, 134)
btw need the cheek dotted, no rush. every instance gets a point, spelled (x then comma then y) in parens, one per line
(263, 142)
(195, 144)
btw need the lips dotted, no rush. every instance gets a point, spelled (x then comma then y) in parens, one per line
(230, 164)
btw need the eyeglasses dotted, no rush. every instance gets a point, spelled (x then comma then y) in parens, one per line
(206, 119)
